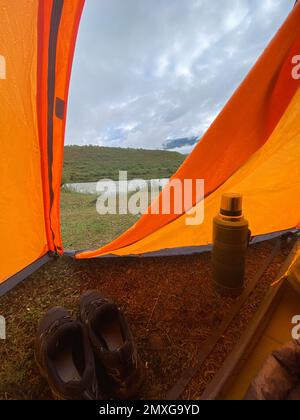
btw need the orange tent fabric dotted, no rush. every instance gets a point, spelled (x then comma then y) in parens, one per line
(37, 40)
(242, 134)
(22, 226)
(58, 27)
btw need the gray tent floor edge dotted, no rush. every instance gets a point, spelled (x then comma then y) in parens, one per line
(13, 281)
(23, 274)
(188, 250)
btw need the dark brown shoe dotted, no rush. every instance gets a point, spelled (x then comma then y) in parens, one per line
(65, 358)
(113, 344)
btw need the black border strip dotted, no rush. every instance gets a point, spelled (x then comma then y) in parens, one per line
(56, 15)
(23, 274)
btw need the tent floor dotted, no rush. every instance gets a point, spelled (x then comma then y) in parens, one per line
(170, 303)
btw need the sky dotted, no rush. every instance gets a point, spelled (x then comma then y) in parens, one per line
(147, 71)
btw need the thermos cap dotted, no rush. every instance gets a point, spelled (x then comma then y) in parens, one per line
(231, 204)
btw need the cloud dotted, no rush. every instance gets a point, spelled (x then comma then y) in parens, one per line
(147, 71)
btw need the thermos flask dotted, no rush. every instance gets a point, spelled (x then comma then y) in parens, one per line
(230, 241)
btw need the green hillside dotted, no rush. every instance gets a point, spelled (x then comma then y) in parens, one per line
(92, 163)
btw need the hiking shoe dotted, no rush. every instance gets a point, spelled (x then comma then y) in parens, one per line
(113, 344)
(65, 358)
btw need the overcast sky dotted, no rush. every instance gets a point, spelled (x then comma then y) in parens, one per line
(150, 70)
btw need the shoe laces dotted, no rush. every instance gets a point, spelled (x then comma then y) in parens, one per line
(93, 305)
(53, 327)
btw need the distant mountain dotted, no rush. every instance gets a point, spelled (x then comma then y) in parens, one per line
(184, 141)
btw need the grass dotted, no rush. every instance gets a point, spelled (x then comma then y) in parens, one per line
(82, 227)
(92, 163)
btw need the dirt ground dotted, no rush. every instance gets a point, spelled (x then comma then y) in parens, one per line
(171, 305)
